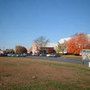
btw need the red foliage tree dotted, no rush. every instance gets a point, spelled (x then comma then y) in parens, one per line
(77, 43)
(70, 46)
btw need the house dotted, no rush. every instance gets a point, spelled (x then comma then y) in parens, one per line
(42, 50)
(1, 52)
(47, 50)
(35, 49)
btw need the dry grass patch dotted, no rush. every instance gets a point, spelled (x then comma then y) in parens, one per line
(28, 74)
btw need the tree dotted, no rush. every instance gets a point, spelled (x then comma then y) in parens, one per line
(61, 48)
(41, 41)
(20, 49)
(9, 51)
(38, 44)
(78, 42)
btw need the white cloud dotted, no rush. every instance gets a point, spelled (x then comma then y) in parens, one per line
(64, 39)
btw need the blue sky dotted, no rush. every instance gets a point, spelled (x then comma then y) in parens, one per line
(22, 21)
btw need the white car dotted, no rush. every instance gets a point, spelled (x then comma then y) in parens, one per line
(51, 55)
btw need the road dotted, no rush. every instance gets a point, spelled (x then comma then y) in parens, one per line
(59, 59)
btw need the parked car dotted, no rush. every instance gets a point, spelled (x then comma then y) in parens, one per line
(42, 54)
(17, 55)
(9, 55)
(24, 55)
(51, 55)
(21, 55)
(3, 55)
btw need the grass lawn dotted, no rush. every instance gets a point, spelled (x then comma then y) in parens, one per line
(28, 74)
(73, 57)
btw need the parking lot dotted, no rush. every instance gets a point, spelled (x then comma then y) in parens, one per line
(62, 58)
(59, 59)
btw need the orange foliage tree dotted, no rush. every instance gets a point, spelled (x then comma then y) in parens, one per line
(77, 43)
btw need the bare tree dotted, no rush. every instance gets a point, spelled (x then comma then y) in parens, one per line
(41, 41)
